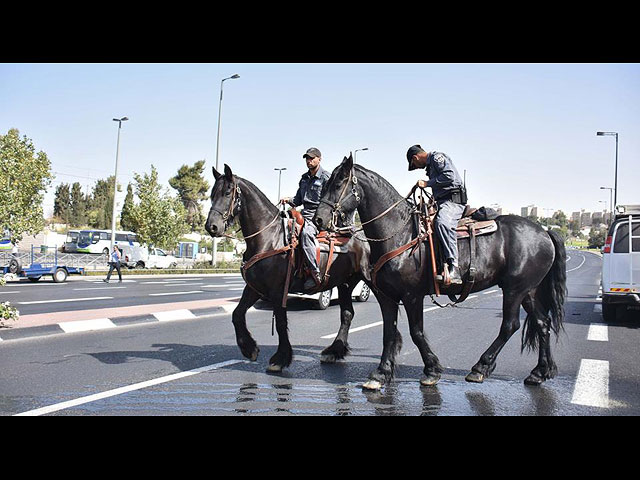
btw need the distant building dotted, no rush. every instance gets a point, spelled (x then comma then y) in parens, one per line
(529, 211)
(585, 219)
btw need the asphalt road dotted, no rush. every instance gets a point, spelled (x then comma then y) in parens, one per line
(193, 367)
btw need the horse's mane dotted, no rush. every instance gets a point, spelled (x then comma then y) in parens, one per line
(380, 183)
(263, 198)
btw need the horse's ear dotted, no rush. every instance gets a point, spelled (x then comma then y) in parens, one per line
(216, 174)
(228, 173)
(347, 163)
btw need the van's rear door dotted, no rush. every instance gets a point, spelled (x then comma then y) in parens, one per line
(624, 260)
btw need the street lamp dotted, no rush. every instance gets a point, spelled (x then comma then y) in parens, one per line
(358, 150)
(615, 186)
(220, 113)
(215, 239)
(610, 199)
(115, 185)
(279, 177)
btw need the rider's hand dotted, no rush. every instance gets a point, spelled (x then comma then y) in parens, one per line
(422, 183)
(284, 200)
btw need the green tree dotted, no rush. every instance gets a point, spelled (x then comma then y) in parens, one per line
(24, 177)
(101, 204)
(126, 222)
(597, 237)
(62, 202)
(158, 219)
(192, 189)
(78, 206)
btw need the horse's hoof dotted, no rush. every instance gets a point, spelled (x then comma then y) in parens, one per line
(534, 380)
(430, 380)
(254, 355)
(272, 368)
(372, 385)
(328, 359)
(474, 377)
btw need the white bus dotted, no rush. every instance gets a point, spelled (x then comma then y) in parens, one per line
(99, 241)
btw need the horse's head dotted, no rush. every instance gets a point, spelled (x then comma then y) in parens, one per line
(341, 196)
(225, 202)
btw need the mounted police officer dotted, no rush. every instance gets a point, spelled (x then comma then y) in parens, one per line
(308, 195)
(449, 192)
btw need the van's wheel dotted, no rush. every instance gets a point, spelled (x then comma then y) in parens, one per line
(60, 275)
(105, 251)
(364, 293)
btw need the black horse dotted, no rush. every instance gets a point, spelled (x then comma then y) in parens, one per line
(263, 230)
(528, 263)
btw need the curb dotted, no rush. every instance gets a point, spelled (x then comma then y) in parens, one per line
(107, 323)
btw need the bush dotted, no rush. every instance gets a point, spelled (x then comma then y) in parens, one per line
(7, 312)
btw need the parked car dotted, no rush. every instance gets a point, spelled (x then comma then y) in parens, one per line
(143, 257)
(322, 300)
(621, 262)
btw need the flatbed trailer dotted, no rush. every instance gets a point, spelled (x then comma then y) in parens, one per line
(41, 264)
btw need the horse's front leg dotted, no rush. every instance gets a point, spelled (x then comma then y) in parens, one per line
(392, 343)
(284, 355)
(247, 344)
(340, 347)
(432, 368)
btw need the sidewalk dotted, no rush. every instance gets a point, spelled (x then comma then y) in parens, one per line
(98, 319)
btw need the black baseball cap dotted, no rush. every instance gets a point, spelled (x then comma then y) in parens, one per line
(312, 152)
(413, 150)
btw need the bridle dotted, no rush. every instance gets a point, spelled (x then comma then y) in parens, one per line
(336, 208)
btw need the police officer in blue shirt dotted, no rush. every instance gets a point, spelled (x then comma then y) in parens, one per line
(449, 192)
(308, 195)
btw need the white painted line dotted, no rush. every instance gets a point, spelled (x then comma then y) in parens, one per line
(584, 259)
(98, 288)
(13, 291)
(598, 332)
(592, 385)
(357, 329)
(490, 291)
(597, 308)
(431, 308)
(174, 315)
(66, 300)
(86, 325)
(119, 391)
(175, 293)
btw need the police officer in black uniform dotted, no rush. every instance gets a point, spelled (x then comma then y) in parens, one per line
(308, 195)
(449, 192)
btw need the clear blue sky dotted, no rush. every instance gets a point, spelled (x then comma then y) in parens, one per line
(524, 133)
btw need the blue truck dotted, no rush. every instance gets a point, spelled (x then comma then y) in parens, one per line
(43, 263)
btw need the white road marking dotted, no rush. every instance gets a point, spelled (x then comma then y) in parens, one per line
(86, 325)
(174, 315)
(119, 391)
(490, 291)
(175, 293)
(66, 300)
(13, 291)
(598, 332)
(357, 329)
(584, 259)
(98, 288)
(592, 385)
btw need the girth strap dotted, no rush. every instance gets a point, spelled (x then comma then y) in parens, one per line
(471, 275)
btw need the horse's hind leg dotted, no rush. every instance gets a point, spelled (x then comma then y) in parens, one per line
(340, 347)
(538, 320)
(510, 323)
(247, 344)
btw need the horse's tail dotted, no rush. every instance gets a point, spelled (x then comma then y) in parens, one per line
(552, 294)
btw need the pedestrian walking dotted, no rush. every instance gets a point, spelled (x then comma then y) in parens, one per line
(114, 262)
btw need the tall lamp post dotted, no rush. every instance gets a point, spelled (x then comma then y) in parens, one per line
(279, 177)
(358, 150)
(615, 186)
(215, 239)
(610, 200)
(115, 185)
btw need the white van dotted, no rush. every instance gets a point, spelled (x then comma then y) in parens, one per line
(621, 262)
